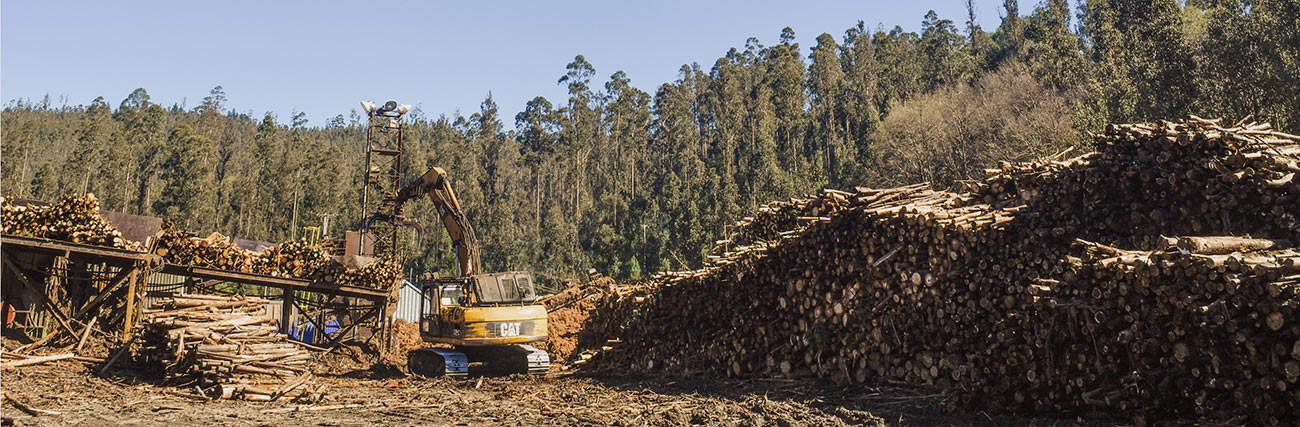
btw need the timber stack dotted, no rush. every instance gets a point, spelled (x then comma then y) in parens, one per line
(777, 217)
(379, 274)
(215, 251)
(293, 259)
(228, 347)
(74, 218)
(1154, 278)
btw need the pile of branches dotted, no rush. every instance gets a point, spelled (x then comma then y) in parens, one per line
(228, 347)
(294, 259)
(74, 218)
(1146, 280)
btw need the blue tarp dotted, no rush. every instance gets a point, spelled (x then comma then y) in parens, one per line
(306, 332)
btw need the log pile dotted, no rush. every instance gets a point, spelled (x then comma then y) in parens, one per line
(215, 251)
(228, 347)
(1185, 178)
(1198, 335)
(777, 217)
(74, 218)
(294, 259)
(291, 259)
(379, 274)
(1015, 296)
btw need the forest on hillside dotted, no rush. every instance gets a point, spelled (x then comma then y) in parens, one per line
(629, 182)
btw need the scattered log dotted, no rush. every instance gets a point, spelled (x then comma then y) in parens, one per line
(85, 333)
(36, 360)
(1221, 245)
(318, 408)
(117, 354)
(28, 409)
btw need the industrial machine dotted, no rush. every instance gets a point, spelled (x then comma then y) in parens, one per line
(487, 320)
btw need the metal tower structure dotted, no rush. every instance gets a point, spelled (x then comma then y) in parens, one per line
(384, 162)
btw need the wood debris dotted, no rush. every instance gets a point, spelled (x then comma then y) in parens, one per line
(36, 360)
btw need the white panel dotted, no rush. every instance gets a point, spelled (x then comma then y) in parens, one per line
(408, 303)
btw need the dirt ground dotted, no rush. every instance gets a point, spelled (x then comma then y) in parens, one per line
(385, 397)
(566, 320)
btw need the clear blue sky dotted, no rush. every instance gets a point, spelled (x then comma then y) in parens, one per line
(323, 57)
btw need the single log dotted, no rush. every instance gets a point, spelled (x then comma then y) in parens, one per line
(36, 360)
(1220, 245)
(318, 408)
(28, 409)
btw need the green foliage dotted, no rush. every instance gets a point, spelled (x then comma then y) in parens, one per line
(953, 133)
(632, 269)
(948, 62)
(187, 179)
(620, 179)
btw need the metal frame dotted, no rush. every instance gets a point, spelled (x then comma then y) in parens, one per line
(363, 305)
(385, 144)
(93, 277)
(70, 283)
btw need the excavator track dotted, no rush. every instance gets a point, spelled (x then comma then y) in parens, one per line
(488, 360)
(539, 362)
(525, 359)
(437, 362)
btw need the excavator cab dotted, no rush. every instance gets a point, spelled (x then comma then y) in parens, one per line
(433, 297)
(449, 294)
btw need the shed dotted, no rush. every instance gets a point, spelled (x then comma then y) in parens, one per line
(408, 303)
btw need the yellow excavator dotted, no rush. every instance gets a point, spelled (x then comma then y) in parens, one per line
(488, 320)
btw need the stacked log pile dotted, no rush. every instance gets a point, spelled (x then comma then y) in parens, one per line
(291, 259)
(379, 274)
(294, 259)
(779, 217)
(1198, 335)
(74, 218)
(1015, 296)
(1169, 178)
(215, 251)
(228, 347)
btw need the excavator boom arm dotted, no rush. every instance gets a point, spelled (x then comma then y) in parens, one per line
(437, 187)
